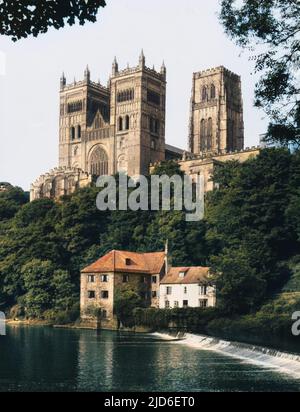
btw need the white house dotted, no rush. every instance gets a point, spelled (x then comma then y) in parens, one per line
(187, 287)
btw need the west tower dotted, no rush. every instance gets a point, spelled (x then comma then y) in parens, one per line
(84, 113)
(216, 120)
(137, 114)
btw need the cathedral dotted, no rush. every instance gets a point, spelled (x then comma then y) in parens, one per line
(104, 130)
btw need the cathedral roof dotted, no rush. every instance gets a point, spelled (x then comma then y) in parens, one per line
(122, 261)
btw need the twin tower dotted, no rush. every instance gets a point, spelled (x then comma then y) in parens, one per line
(121, 127)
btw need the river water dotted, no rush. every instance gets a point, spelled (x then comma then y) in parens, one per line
(47, 359)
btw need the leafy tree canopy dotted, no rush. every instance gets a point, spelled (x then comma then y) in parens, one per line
(19, 19)
(274, 27)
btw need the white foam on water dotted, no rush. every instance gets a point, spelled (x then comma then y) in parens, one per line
(268, 358)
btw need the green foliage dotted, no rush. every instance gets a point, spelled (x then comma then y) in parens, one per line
(37, 282)
(274, 27)
(250, 236)
(126, 301)
(10, 202)
(248, 230)
(22, 18)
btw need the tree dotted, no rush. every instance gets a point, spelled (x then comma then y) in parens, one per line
(126, 301)
(248, 231)
(240, 288)
(10, 201)
(20, 19)
(274, 27)
(64, 293)
(39, 292)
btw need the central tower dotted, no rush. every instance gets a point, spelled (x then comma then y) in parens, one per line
(137, 114)
(216, 123)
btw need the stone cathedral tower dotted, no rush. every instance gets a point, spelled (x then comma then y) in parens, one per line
(137, 115)
(216, 122)
(104, 130)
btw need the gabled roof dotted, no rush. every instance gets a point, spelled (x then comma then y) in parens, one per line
(115, 261)
(195, 274)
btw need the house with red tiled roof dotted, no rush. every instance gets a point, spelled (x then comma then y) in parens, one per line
(118, 269)
(149, 275)
(184, 287)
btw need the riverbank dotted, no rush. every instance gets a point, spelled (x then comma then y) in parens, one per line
(284, 362)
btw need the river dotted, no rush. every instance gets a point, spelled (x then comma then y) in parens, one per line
(47, 359)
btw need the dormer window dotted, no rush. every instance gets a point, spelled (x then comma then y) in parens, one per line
(128, 261)
(182, 274)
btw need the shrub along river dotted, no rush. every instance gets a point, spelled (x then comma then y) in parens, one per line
(47, 359)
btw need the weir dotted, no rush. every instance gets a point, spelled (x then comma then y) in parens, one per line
(271, 358)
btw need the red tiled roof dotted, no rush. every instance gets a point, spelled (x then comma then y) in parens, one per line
(192, 275)
(115, 261)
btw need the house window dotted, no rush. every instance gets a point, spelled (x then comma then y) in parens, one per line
(182, 274)
(176, 304)
(91, 294)
(144, 279)
(125, 278)
(104, 294)
(203, 290)
(169, 290)
(203, 303)
(154, 279)
(185, 303)
(104, 278)
(91, 278)
(104, 314)
(154, 294)
(185, 290)
(167, 304)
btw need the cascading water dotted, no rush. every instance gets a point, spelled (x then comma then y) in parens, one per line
(266, 357)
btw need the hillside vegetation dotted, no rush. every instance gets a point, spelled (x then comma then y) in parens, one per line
(250, 237)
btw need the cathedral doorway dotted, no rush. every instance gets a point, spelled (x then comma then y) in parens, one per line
(98, 162)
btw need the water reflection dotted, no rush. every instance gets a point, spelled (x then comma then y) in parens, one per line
(46, 359)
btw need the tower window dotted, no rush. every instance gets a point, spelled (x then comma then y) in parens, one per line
(153, 97)
(75, 107)
(202, 135)
(120, 124)
(212, 91)
(204, 94)
(127, 123)
(209, 134)
(72, 133)
(125, 96)
(154, 125)
(79, 132)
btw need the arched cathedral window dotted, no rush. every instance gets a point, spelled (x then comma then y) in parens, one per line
(79, 132)
(212, 91)
(204, 93)
(99, 162)
(209, 134)
(127, 123)
(120, 124)
(202, 135)
(72, 133)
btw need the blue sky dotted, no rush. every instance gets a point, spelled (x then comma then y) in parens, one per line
(186, 34)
